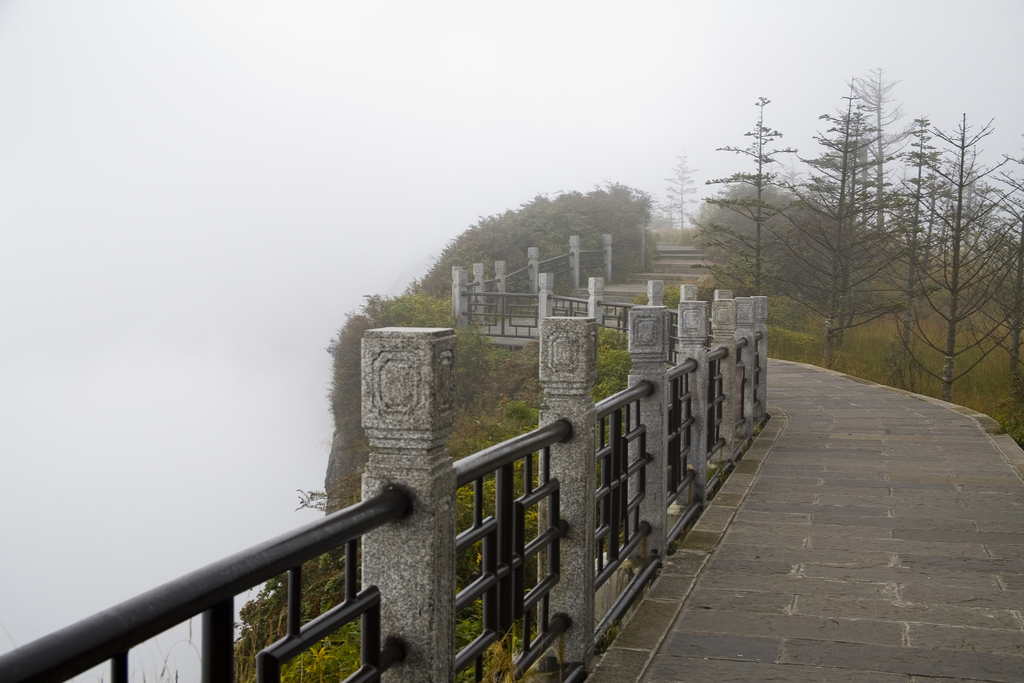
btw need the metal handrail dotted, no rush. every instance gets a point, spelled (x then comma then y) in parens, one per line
(482, 463)
(110, 633)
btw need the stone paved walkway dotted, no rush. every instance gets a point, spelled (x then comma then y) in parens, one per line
(867, 537)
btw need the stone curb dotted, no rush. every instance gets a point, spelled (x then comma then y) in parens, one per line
(1004, 443)
(632, 651)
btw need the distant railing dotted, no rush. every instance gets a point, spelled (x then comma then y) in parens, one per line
(548, 517)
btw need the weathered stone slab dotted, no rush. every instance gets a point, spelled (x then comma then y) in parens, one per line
(738, 600)
(854, 608)
(906, 660)
(715, 646)
(790, 626)
(665, 668)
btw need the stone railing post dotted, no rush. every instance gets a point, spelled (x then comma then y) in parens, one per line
(687, 292)
(574, 260)
(546, 283)
(408, 412)
(656, 293)
(761, 325)
(648, 349)
(607, 257)
(568, 370)
(745, 330)
(693, 339)
(478, 277)
(460, 297)
(595, 286)
(723, 333)
(532, 261)
(499, 275)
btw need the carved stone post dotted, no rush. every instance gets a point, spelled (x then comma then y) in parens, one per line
(574, 260)
(607, 257)
(478, 277)
(745, 330)
(460, 297)
(761, 325)
(687, 292)
(595, 310)
(532, 261)
(723, 333)
(568, 370)
(655, 292)
(693, 339)
(648, 348)
(546, 283)
(408, 413)
(499, 275)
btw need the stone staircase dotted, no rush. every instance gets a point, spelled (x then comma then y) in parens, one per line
(674, 265)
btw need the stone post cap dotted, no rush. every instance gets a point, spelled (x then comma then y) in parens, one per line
(723, 294)
(607, 239)
(744, 311)
(574, 241)
(499, 268)
(478, 271)
(546, 280)
(760, 309)
(408, 388)
(655, 292)
(533, 252)
(459, 276)
(648, 333)
(595, 284)
(723, 317)
(693, 322)
(687, 292)
(568, 356)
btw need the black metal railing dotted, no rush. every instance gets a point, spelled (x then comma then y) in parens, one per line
(758, 408)
(503, 314)
(507, 480)
(591, 259)
(517, 278)
(569, 307)
(715, 400)
(211, 591)
(622, 459)
(616, 315)
(741, 385)
(558, 265)
(679, 445)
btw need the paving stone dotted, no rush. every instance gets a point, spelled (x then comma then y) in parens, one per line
(670, 587)
(722, 565)
(719, 646)
(619, 665)
(649, 623)
(934, 535)
(798, 585)
(903, 575)
(683, 563)
(738, 600)
(981, 596)
(885, 610)
(900, 545)
(930, 636)
(995, 667)
(790, 626)
(665, 668)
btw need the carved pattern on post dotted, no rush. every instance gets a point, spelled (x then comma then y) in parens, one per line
(723, 333)
(655, 292)
(568, 370)
(745, 330)
(595, 286)
(574, 260)
(546, 283)
(648, 349)
(693, 339)
(408, 413)
(687, 292)
(460, 301)
(607, 239)
(478, 277)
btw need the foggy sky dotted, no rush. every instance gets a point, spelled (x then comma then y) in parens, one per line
(193, 194)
